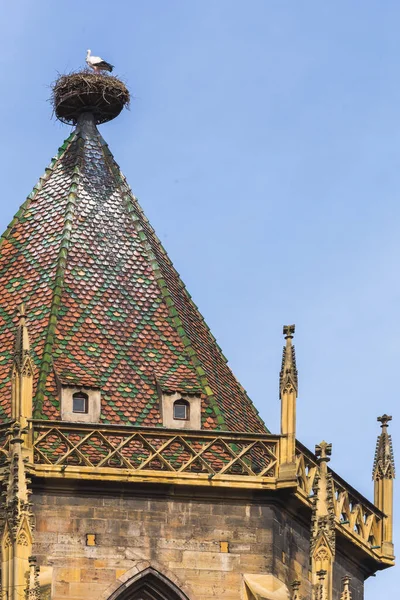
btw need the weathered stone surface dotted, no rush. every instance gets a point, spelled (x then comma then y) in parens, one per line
(179, 536)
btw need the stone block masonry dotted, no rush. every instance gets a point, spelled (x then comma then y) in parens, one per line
(178, 533)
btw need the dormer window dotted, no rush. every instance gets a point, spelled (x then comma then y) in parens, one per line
(80, 402)
(181, 410)
(78, 406)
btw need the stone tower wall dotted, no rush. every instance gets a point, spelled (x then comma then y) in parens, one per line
(183, 536)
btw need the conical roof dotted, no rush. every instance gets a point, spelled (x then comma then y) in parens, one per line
(105, 306)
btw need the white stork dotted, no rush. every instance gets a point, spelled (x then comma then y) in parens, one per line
(97, 64)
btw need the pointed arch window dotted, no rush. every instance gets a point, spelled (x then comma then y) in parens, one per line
(149, 585)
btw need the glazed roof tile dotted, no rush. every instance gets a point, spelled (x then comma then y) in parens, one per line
(106, 307)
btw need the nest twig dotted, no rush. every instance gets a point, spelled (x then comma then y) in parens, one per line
(103, 95)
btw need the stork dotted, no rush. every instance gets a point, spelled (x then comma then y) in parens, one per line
(97, 64)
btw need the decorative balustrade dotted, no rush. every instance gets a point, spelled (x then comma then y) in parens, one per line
(229, 459)
(355, 515)
(144, 450)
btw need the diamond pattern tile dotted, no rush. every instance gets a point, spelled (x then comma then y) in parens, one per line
(106, 307)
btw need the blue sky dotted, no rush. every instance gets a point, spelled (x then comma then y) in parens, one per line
(263, 144)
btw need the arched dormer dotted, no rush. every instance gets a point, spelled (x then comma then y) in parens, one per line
(80, 402)
(148, 585)
(180, 411)
(80, 405)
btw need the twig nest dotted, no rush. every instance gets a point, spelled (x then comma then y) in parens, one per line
(102, 95)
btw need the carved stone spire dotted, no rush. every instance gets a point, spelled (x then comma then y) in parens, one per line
(22, 372)
(22, 344)
(320, 585)
(383, 474)
(346, 593)
(288, 374)
(32, 591)
(17, 525)
(384, 458)
(295, 590)
(288, 394)
(323, 537)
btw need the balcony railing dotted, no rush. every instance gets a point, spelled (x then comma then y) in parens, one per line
(128, 453)
(355, 515)
(145, 450)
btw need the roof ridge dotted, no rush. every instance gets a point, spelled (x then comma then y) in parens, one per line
(47, 360)
(130, 200)
(49, 170)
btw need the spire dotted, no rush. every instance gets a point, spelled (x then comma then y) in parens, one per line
(288, 374)
(346, 593)
(383, 474)
(288, 396)
(110, 310)
(22, 345)
(323, 537)
(22, 372)
(295, 590)
(32, 591)
(384, 458)
(320, 586)
(17, 522)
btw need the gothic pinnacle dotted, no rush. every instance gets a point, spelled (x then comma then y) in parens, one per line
(288, 374)
(288, 396)
(383, 474)
(295, 589)
(22, 344)
(346, 593)
(384, 458)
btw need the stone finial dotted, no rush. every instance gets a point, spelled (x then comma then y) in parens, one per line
(384, 420)
(288, 396)
(32, 592)
(295, 585)
(22, 344)
(383, 474)
(17, 493)
(288, 331)
(288, 378)
(21, 310)
(384, 467)
(320, 593)
(22, 372)
(323, 535)
(323, 451)
(346, 593)
(17, 516)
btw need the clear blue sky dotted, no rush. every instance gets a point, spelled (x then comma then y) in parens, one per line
(263, 143)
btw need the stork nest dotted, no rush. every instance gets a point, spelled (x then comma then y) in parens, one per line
(102, 95)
